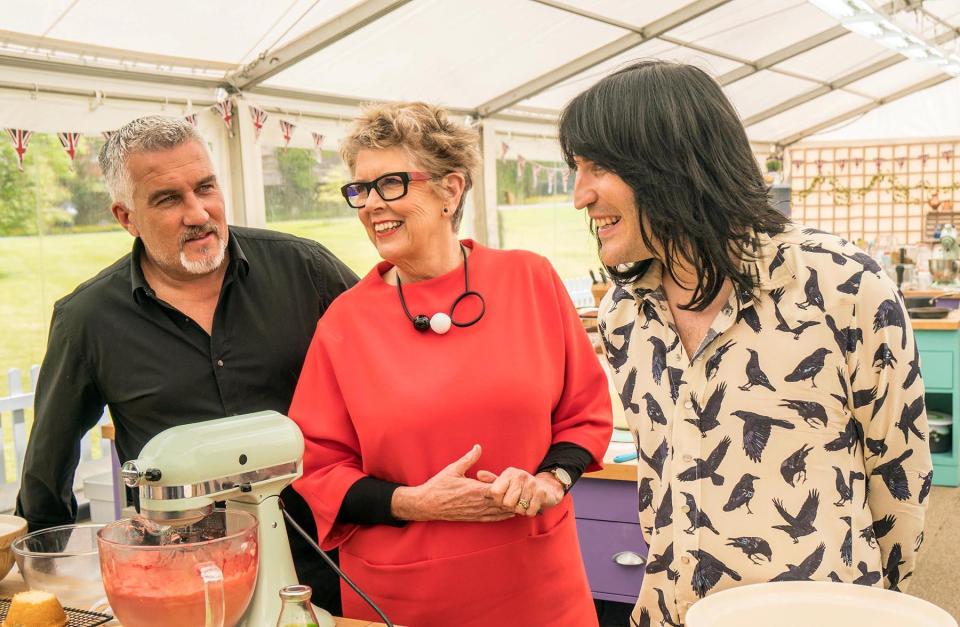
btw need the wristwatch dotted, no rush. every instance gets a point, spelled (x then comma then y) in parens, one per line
(563, 477)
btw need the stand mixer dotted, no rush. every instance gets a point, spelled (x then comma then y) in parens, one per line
(243, 460)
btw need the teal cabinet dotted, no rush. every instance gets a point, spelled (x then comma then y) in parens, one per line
(940, 365)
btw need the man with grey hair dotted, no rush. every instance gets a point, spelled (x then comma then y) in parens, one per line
(199, 321)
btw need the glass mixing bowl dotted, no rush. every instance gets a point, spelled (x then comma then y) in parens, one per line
(63, 561)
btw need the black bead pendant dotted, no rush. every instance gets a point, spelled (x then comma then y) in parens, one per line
(421, 323)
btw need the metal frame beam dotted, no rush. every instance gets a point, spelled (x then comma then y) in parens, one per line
(843, 117)
(767, 62)
(841, 82)
(101, 71)
(271, 62)
(636, 37)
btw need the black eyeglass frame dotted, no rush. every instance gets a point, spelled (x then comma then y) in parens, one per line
(406, 177)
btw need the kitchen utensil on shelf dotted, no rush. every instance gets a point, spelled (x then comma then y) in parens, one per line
(944, 271)
(11, 528)
(928, 313)
(243, 460)
(200, 575)
(63, 561)
(804, 603)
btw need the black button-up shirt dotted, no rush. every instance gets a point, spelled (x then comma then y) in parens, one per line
(113, 342)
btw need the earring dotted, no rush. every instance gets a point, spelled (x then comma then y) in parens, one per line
(445, 210)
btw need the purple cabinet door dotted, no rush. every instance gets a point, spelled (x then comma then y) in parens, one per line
(600, 541)
(606, 499)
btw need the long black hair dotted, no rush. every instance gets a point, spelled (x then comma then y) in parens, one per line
(669, 132)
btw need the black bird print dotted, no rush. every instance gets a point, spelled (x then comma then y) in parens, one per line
(650, 313)
(844, 490)
(656, 460)
(834, 577)
(625, 331)
(925, 487)
(616, 357)
(756, 431)
(852, 285)
(801, 524)
(895, 477)
(707, 416)
(713, 364)
(654, 411)
(708, 571)
(883, 526)
(812, 290)
(839, 335)
(659, 358)
(707, 469)
(667, 618)
(812, 231)
(892, 568)
(795, 466)
(749, 315)
(782, 324)
(664, 515)
(662, 563)
(866, 261)
(777, 258)
(918, 542)
(890, 314)
(849, 438)
(811, 412)
(675, 375)
(696, 517)
(879, 402)
(626, 395)
(878, 448)
(813, 247)
(845, 392)
(742, 493)
(645, 494)
(805, 570)
(756, 376)
(883, 357)
(914, 371)
(866, 578)
(644, 620)
(854, 336)
(862, 398)
(809, 367)
(908, 420)
(846, 547)
(619, 294)
(753, 547)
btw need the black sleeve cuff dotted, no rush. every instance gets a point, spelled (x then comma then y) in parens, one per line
(367, 502)
(571, 457)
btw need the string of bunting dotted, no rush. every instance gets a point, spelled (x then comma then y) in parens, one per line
(857, 162)
(70, 140)
(552, 174)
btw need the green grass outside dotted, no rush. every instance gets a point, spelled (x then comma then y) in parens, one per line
(36, 271)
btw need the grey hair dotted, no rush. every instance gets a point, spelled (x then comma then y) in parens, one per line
(147, 134)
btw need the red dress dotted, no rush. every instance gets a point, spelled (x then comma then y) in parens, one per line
(378, 398)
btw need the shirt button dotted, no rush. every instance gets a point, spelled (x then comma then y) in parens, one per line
(685, 509)
(688, 457)
(220, 363)
(685, 559)
(677, 356)
(688, 405)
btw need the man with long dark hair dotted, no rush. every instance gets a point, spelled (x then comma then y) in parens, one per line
(776, 390)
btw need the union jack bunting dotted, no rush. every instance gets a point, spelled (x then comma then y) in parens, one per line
(551, 181)
(536, 173)
(20, 139)
(287, 129)
(259, 117)
(318, 144)
(107, 135)
(564, 177)
(521, 165)
(192, 119)
(225, 109)
(69, 142)
(504, 147)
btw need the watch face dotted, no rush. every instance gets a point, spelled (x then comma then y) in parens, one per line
(563, 477)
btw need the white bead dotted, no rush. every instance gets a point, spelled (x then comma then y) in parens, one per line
(440, 323)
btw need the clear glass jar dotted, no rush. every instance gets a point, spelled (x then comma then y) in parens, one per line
(297, 610)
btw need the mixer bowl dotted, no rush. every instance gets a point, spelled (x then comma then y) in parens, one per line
(62, 561)
(944, 270)
(11, 528)
(159, 580)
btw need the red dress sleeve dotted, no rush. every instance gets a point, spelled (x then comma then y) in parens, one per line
(331, 459)
(583, 415)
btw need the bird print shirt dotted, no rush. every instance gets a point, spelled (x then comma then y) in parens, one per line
(791, 444)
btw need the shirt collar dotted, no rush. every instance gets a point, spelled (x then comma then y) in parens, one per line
(238, 266)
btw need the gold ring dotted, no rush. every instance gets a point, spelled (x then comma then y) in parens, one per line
(524, 503)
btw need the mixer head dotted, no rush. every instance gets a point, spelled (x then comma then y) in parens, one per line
(183, 470)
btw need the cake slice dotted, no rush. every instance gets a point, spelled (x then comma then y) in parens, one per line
(35, 608)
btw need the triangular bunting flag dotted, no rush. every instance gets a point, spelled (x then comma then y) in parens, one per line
(259, 117)
(521, 165)
(225, 109)
(69, 142)
(107, 135)
(287, 129)
(21, 139)
(192, 119)
(318, 144)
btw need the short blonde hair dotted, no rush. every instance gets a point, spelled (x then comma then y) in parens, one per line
(426, 133)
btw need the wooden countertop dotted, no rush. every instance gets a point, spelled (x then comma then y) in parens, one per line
(13, 583)
(950, 323)
(931, 293)
(625, 471)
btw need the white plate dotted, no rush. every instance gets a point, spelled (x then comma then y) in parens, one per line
(819, 603)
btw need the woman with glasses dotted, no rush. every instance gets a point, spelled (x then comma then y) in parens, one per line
(448, 401)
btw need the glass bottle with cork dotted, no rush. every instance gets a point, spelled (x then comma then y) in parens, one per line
(296, 610)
